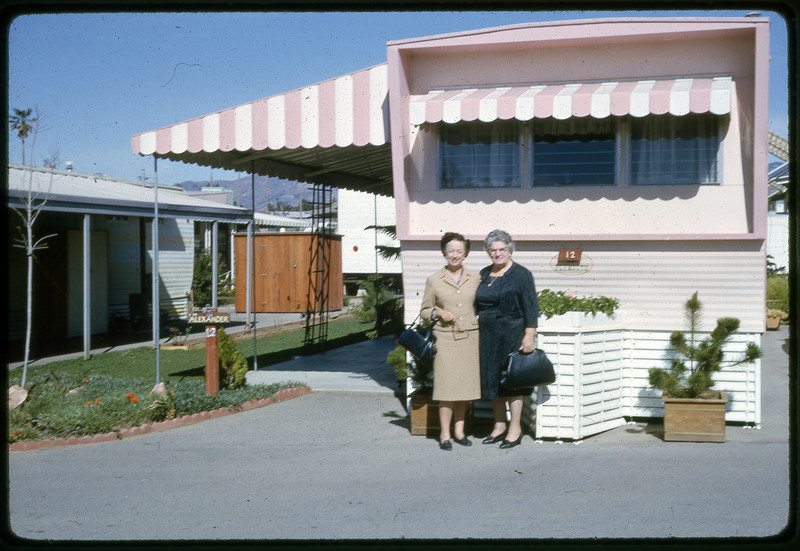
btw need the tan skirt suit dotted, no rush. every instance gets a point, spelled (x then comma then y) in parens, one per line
(456, 367)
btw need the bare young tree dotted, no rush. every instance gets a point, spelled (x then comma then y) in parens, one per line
(27, 127)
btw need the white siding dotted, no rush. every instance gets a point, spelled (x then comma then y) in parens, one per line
(175, 263)
(652, 281)
(357, 210)
(175, 259)
(778, 238)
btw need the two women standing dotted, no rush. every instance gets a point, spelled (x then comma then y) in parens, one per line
(469, 361)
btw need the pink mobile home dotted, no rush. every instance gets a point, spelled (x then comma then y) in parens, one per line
(640, 142)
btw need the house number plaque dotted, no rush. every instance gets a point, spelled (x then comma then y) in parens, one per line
(571, 262)
(570, 255)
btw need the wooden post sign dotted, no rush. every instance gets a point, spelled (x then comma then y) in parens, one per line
(210, 318)
(212, 361)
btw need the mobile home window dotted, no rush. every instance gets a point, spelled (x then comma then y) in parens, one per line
(652, 150)
(479, 155)
(574, 152)
(669, 150)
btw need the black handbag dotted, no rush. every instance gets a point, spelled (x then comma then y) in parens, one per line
(420, 341)
(522, 372)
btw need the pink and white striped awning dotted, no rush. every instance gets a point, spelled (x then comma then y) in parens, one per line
(678, 96)
(351, 110)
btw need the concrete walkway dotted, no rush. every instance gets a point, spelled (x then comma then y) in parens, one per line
(360, 367)
(342, 465)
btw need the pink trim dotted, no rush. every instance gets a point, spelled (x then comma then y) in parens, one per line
(659, 96)
(260, 124)
(700, 97)
(136, 143)
(507, 103)
(543, 102)
(621, 98)
(227, 130)
(470, 105)
(361, 113)
(582, 100)
(163, 140)
(434, 109)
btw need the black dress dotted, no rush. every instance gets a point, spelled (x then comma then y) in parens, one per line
(506, 305)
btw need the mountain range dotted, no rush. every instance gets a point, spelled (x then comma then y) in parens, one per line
(282, 195)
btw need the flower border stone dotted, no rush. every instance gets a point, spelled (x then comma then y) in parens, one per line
(280, 396)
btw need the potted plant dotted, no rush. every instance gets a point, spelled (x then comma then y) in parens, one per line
(774, 318)
(424, 409)
(692, 411)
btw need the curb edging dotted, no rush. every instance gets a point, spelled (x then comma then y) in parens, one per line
(191, 419)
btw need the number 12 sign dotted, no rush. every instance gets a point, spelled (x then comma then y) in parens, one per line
(569, 255)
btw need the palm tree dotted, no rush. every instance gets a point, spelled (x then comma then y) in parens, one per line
(20, 123)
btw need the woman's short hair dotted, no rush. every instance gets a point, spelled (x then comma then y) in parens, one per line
(453, 236)
(498, 235)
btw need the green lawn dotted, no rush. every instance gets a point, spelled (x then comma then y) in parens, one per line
(186, 365)
(114, 390)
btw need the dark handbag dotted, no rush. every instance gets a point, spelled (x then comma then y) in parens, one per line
(420, 341)
(525, 371)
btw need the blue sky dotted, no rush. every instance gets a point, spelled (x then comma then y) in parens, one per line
(98, 79)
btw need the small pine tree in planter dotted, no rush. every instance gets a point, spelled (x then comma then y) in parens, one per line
(686, 385)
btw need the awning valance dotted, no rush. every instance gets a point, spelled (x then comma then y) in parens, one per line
(678, 96)
(348, 110)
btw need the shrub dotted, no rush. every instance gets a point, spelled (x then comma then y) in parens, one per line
(380, 306)
(778, 293)
(202, 277)
(232, 363)
(559, 303)
(397, 359)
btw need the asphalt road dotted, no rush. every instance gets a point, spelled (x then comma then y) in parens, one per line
(342, 465)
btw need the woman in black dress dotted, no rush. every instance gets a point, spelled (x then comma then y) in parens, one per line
(508, 309)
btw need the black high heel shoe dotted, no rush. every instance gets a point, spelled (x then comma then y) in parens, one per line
(494, 439)
(507, 444)
(446, 445)
(464, 441)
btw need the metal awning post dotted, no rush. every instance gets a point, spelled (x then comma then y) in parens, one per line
(249, 260)
(252, 266)
(156, 313)
(214, 263)
(87, 297)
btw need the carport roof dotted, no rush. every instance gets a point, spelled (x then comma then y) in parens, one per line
(67, 191)
(335, 132)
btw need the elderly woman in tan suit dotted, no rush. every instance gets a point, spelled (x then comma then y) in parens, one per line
(449, 300)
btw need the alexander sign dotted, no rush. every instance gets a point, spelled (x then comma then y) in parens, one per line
(209, 318)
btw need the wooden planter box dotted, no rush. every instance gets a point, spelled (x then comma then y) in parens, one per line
(424, 413)
(773, 322)
(695, 419)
